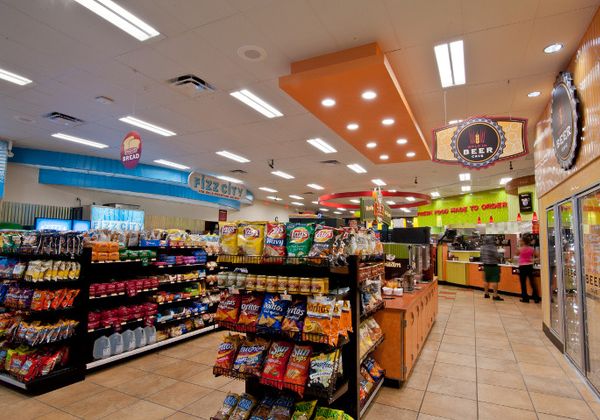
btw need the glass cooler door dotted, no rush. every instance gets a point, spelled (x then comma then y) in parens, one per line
(589, 211)
(555, 296)
(572, 297)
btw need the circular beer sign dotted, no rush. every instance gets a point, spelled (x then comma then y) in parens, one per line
(478, 142)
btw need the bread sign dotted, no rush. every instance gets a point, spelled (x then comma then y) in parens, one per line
(131, 150)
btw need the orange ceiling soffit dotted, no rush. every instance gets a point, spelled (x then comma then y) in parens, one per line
(343, 76)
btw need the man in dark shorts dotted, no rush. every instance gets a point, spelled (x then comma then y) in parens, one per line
(490, 258)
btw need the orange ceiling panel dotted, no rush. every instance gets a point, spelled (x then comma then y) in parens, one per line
(344, 76)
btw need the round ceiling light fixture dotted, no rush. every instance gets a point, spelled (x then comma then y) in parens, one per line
(552, 48)
(384, 157)
(369, 95)
(252, 53)
(371, 145)
(411, 154)
(534, 94)
(328, 102)
(352, 126)
(401, 141)
(387, 121)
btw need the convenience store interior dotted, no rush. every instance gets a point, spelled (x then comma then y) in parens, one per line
(233, 160)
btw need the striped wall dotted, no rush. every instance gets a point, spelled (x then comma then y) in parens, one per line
(25, 213)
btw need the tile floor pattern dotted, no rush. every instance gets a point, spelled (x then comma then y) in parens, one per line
(483, 360)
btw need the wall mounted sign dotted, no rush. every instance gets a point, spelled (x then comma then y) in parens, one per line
(131, 150)
(209, 185)
(480, 141)
(565, 121)
(222, 215)
(525, 202)
(464, 209)
(120, 219)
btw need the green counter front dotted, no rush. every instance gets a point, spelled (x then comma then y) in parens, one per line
(456, 272)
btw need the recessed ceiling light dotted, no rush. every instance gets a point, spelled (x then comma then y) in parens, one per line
(392, 191)
(79, 140)
(465, 188)
(454, 121)
(315, 202)
(464, 176)
(121, 18)
(411, 154)
(14, 78)
(147, 126)
(283, 174)
(371, 145)
(296, 203)
(341, 208)
(390, 202)
(337, 212)
(405, 210)
(378, 182)
(267, 189)
(384, 157)
(171, 164)
(534, 94)
(296, 197)
(230, 179)
(451, 63)
(411, 199)
(233, 156)
(315, 186)
(387, 121)
(504, 181)
(368, 95)
(256, 103)
(355, 201)
(323, 209)
(272, 197)
(352, 126)
(435, 194)
(552, 48)
(401, 141)
(323, 146)
(357, 168)
(328, 102)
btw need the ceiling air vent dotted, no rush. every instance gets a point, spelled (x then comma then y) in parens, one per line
(191, 85)
(238, 171)
(63, 119)
(331, 162)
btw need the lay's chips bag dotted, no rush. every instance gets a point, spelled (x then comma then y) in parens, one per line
(299, 239)
(228, 238)
(250, 238)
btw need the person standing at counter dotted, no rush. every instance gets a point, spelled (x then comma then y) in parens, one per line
(526, 255)
(490, 258)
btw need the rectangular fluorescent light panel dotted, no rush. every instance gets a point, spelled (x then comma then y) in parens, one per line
(465, 188)
(324, 209)
(80, 140)
(357, 168)
(272, 197)
(230, 179)
(147, 126)
(121, 18)
(315, 186)
(390, 202)
(283, 174)
(435, 194)
(296, 203)
(267, 189)
(14, 78)
(321, 145)
(233, 156)
(256, 103)
(296, 197)
(505, 181)
(464, 177)
(355, 201)
(378, 182)
(171, 164)
(411, 199)
(450, 60)
(337, 212)
(405, 210)
(315, 202)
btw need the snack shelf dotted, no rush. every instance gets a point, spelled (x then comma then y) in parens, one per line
(180, 318)
(372, 348)
(31, 256)
(122, 294)
(158, 344)
(121, 324)
(46, 283)
(371, 397)
(57, 342)
(364, 315)
(264, 260)
(330, 397)
(178, 300)
(55, 379)
(137, 260)
(179, 265)
(182, 281)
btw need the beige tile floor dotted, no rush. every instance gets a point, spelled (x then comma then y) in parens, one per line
(483, 360)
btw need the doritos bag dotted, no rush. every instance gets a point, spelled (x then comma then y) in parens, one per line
(251, 238)
(299, 239)
(228, 238)
(229, 308)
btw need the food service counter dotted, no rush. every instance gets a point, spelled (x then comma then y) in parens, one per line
(406, 322)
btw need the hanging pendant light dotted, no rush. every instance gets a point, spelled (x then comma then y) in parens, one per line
(491, 219)
(478, 220)
(534, 218)
(519, 217)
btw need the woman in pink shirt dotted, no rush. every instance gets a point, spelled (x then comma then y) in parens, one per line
(526, 255)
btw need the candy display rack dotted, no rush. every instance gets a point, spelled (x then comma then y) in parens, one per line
(344, 283)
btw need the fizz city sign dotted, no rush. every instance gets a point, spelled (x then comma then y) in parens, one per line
(209, 185)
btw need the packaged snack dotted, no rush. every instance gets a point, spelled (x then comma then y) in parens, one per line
(365, 374)
(304, 410)
(226, 410)
(319, 320)
(244, 407)
(264, 408)
(251, 238)
(273, 310)
(373, 368)
(299, 239)
(322, 370)
(322, 242)
(275, 366)
(319, 285)
(251, 356)
(250, 309)
(229, 308)
(325, 413)
(275, 241)
(346, 319)
(227, 351)
(297, 369)
(282, 409)
(293, 323)
(228, 238)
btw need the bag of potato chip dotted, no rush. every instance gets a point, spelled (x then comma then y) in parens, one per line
(299, 239)
(296, 373)
(251, 237)
(228, 238)
(323, 242)
(275, 240)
